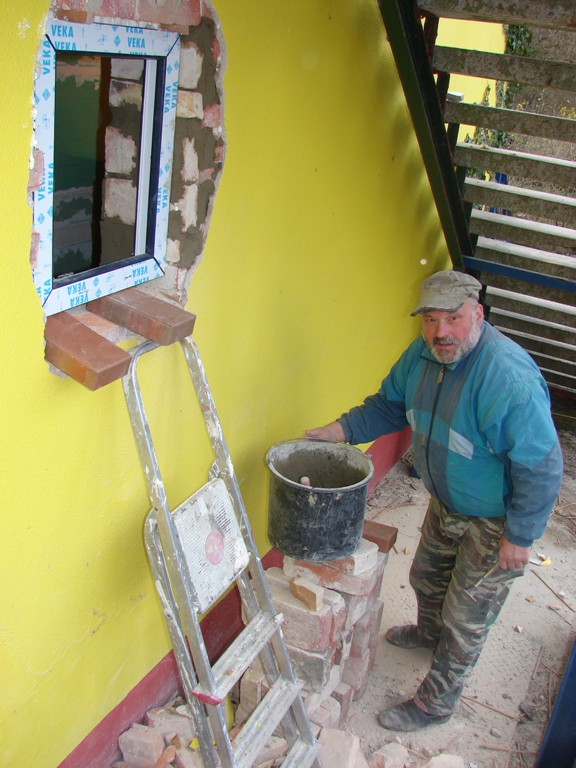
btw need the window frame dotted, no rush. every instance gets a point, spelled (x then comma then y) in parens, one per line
(59, 294)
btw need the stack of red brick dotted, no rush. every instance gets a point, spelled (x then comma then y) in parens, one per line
(332, 615)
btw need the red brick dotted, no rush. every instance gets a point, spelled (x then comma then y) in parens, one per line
(312, 668)
(170, 12)
(321, 573)
(118, 9)
(376, 620)
(343, 695)
(363, 559)
(74, 5)
(312, 700)
(145, 315)
(167, 757)
(212, 116)
(219, 153)
(82, 353)
(328, 714)
(36, 175)
(339, 748)
(361, 635)
(382, 535)
(357, 605)
(253, 687)
(206, 10)
(78, 17)
(312, 595)
(169, 723)
(336, 602)
(343, 648)
(277, 577)
(34, 248)
(306, 629)
(357, 668)
(141, 746)
(356, 671)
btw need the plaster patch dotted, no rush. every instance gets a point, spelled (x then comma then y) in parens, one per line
(120, 152)
(191, 59)
(23, 27)
(190, 160)
(120, 200)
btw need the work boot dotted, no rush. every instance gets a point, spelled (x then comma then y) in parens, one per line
(407, 636)
(408, 717)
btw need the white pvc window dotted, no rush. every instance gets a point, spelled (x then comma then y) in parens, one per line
(73, 103)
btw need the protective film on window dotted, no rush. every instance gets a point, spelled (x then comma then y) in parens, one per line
(105, 106)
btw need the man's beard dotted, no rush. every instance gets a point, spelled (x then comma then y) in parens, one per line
(462, 348)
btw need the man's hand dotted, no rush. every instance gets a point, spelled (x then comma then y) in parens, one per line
(511, 556)
(333, 431)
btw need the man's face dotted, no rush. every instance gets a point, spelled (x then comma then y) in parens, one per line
(451, 335)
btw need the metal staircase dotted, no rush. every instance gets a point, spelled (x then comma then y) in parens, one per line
(518, 237)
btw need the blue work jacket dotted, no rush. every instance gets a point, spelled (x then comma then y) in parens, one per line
(482, 432)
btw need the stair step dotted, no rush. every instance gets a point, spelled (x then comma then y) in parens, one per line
(238, 657)
(540, 341)
(561, 367)
(264, 720)
(551, 310)
(496, 66)
(552, 170)
(551, 331)
(511, 120)
(523, 231)
(538, 13)
(542, 205)
(545, 262)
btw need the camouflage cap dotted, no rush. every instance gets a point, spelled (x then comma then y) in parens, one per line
(446, 292)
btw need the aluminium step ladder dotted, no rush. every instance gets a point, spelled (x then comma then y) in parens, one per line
(196, 552)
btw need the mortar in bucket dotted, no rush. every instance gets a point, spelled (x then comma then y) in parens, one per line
(324, 520)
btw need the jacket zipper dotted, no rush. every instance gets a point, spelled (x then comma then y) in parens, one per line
(432, 417)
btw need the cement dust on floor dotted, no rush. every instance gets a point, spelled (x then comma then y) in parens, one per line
(511, 690)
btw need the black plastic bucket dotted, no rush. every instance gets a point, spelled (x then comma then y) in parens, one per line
(322, 521)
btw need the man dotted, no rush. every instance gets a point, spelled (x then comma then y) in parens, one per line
(487, 451)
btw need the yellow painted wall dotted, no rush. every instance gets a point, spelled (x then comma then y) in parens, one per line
(477, 36)
(323, 227)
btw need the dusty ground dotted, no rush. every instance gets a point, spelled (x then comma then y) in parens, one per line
(512, 689)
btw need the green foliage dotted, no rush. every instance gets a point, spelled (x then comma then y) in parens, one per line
(518, 40)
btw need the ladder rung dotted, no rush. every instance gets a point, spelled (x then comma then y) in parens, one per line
(238, 657)
(264, 721)
(302, 755)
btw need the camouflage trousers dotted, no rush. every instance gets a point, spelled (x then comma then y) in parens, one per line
(454, 552)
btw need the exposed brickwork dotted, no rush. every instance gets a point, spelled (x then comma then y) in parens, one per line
(361, 584)
(182, 12)
(119, 9)
(199, 136)
(335, 669)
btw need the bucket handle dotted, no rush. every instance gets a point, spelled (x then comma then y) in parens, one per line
(312, 440)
